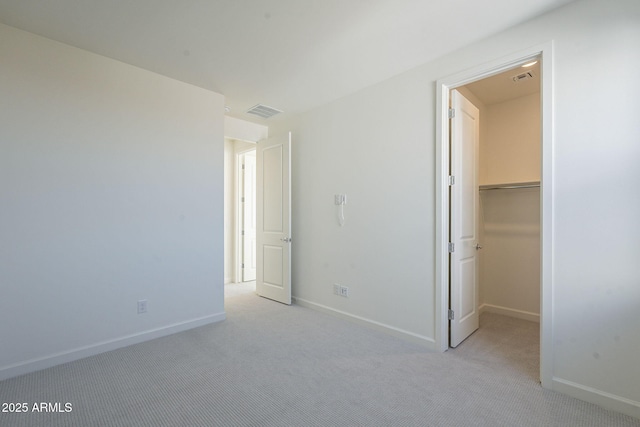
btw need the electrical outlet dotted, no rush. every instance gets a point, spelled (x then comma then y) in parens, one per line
(336, 289)
(142, 306)
(344, 291)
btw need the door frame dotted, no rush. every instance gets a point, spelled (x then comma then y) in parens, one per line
(237, 231)
(544, 53)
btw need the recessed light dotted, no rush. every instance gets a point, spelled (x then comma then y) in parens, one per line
(529, 64)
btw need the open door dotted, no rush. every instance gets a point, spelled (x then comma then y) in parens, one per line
(464, 316)
(273, 219)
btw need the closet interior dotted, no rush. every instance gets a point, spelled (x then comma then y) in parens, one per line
(509, 177)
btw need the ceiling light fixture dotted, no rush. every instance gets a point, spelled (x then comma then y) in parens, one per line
(529, 64)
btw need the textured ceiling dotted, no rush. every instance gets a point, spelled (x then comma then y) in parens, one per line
(289, 54)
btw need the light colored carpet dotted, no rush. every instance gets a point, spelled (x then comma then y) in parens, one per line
(235, 289)
(273, 365)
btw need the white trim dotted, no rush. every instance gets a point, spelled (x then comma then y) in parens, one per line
(547, 189)
(397, 332)
(511, 312)
(237, 207)
(443, 87)
(598, 397)
(237, 211)
(37, 364)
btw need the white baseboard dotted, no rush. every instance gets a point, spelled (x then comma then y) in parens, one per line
(91, 350)
(600, 398)
(526, 315)
(409, 336)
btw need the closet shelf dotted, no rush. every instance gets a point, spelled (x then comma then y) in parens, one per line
(510, 185)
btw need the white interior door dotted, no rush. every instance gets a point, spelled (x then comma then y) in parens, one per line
(273, 220)
(464, 219)
(249, 261)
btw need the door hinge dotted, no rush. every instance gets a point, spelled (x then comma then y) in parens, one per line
(452, 180)
(451, 316)
(243, 232)
(452, 248)
(243, 166)
(242, 199)
(243, 265)
(452, 113)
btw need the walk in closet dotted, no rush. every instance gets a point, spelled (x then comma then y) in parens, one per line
(509, 177)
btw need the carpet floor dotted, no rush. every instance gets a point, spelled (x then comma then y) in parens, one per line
(274, 365)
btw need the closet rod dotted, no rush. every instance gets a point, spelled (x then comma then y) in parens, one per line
(510, 186)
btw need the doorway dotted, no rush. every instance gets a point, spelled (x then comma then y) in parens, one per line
(258, 210)
(443, 221)
(504, 256)
(239, 212)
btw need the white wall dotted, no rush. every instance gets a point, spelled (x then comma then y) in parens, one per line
(377, 146)
(243, 130)
(510, 152)
(372, 147)
(111, 181)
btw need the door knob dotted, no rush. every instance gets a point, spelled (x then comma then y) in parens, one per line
(478, 247)
(286, 239)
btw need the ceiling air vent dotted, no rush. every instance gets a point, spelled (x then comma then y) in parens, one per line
(263, 111)
(523, 76)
